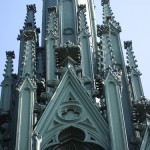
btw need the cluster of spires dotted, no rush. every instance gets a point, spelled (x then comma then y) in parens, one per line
(102, 31)
(105, 50)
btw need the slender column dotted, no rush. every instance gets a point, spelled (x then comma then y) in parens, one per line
(37, 139)
(93, 33)
(26, 90)
(92, 29)
(115, 112)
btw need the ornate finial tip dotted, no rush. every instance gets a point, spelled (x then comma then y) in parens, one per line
(31, 7)
(128, 44)
(82, 7)
(105, 2)
(10, 54)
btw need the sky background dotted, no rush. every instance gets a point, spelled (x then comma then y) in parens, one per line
(133, 16)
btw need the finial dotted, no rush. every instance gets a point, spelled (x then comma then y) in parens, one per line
(107, 12)
(106, 50)
(30, 17)
(31, 7)
(9, 64)
(82, 7)
(108, 15)
(10, 54)
(128, 45)
(105, 2)
(130, 57)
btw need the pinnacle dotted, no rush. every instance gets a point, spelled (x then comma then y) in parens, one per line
(107, 57)
(130, 57)
(30, 17)
(108, 15)
(9, 64)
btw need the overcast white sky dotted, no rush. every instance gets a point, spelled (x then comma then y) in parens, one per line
(133, 16)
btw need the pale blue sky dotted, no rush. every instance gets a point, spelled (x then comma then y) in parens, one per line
(133, 16)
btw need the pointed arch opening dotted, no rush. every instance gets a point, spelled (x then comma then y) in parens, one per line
(73, 139)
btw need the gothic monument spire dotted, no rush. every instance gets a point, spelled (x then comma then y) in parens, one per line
(73, 92)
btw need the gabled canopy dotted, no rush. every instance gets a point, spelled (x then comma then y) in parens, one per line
(71, 106)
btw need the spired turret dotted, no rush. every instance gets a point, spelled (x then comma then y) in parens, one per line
(112, 88)
(140, 105)
(26, 86)
(110, 55)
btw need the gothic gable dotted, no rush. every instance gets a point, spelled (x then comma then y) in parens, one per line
(71, 106)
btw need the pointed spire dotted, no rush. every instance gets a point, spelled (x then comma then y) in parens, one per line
(130, 57)
(28, 37)
(6, 91)
(107, 12)
(108, 15)
(133, 73)
(9, 64)
(30, 17)
(106, 55)
(29, 28)
(84, 40)
(82, 24)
